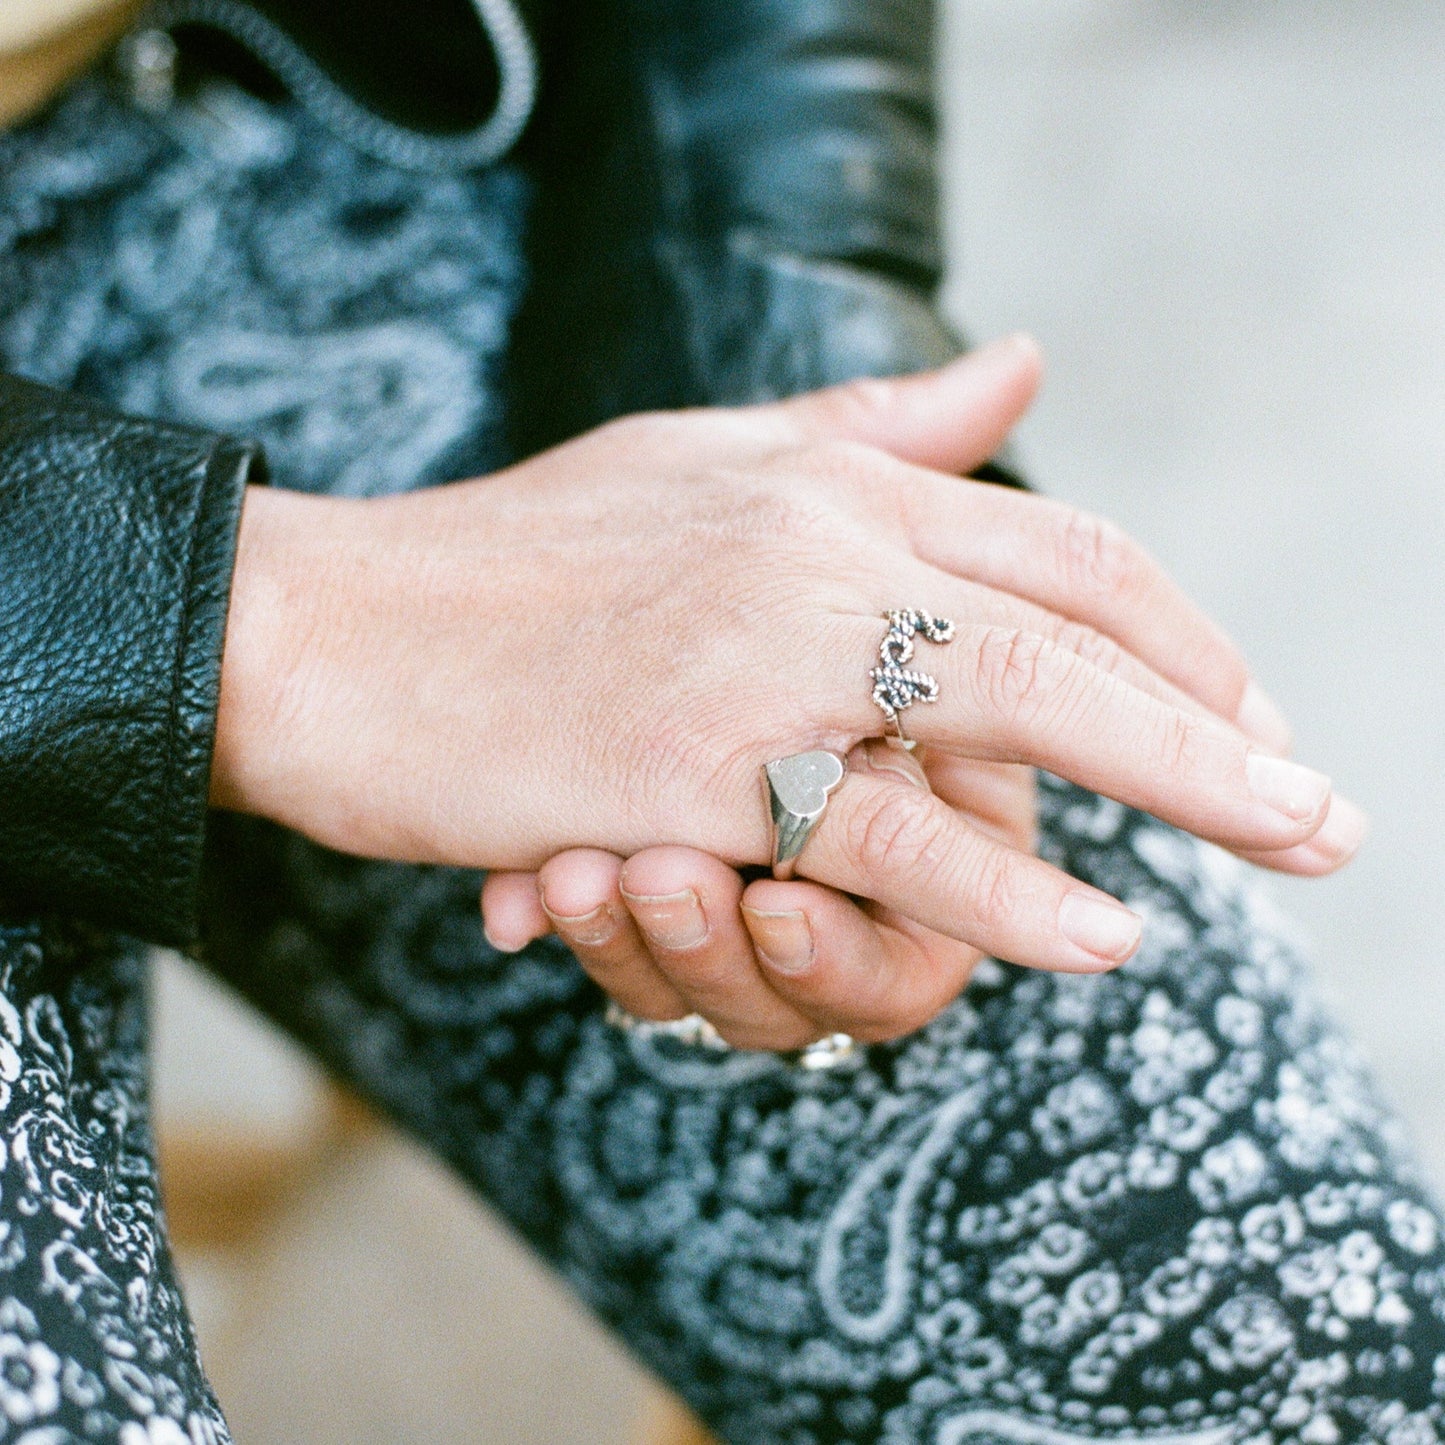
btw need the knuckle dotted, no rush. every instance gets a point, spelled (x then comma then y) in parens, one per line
(690, 433)
(995, 895)
(634, 427)
(842, 468)
(851, 467)
(835, 457)
(866, 397)
(768, 514)
(1015, 671)
(1097, 556)
(1083, 641)
(802, 521)
(900, 831)
(1179, 744)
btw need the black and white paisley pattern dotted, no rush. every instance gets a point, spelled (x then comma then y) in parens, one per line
(232, 264)
(95, 1342)
(1162, 1205)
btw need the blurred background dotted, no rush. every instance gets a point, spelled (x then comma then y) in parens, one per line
(1226, 224)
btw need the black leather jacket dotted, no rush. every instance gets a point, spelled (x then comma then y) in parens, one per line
(736, 200)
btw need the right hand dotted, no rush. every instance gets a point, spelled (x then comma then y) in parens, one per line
(599, 647)
(672, 931)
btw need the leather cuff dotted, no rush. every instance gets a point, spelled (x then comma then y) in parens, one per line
(117, 545)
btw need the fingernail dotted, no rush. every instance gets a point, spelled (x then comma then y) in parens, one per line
(1107, 930)
(590, 929)
(1011, 341)
(501, 943)
(783, 940)
(671, 920)
(997, 350)
(1341, 833)
(1263, 721)
(1297, 792)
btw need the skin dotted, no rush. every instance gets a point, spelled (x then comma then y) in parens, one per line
(570, 673)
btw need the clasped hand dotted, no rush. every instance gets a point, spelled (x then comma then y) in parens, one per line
(570, 672)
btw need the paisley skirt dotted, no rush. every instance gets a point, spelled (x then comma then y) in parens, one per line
(1163, 1205)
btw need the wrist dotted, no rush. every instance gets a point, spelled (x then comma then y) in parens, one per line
(280, 580)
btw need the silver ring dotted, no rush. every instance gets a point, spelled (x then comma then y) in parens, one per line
(694, 1030)
(895, 686)
(690, 1029)
(797, 789)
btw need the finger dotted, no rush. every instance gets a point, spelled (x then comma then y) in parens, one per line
(1089, 570)
(952, 419)
(1013, 695)
(1000, 799)
(1337, 841)
(958, 597)
(512, 914)
(580, 895)
(872, 976)
(685, 906)
(907, 850)
(995, 797)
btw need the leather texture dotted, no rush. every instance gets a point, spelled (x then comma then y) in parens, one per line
(117, 542)
(737, 200)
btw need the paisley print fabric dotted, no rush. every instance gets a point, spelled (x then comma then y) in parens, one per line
(1162, 1205)
(95, 1342)
(230, 264)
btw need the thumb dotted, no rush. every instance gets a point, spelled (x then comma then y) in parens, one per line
(952, 419)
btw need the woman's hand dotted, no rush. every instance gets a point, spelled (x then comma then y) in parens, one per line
(672, 931)
(599, 648)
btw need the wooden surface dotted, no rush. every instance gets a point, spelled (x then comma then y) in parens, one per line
(234, 1200)
(34, 64)
(26, 24)
(667, 1422)
(223, 1187)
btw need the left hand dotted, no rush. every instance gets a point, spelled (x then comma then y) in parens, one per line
(379, 655)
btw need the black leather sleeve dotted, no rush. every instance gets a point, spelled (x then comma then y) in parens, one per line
(117, 541)
(738, 200)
